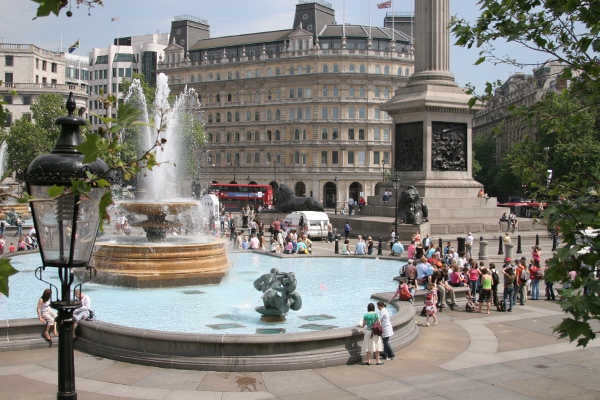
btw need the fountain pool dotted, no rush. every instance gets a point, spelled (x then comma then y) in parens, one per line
(334, 291)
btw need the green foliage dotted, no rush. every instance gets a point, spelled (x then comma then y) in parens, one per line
(6, 271)
(484, 160)
(47, 7)
(567, 124)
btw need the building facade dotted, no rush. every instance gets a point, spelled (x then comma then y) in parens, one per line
(300, 106)
(108, 67)
(28, 71)
(496, 119)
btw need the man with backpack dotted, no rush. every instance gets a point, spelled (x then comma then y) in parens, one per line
(522, 278)
(495, 283)
(509, 278)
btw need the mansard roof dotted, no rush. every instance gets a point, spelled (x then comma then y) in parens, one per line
(242, 40)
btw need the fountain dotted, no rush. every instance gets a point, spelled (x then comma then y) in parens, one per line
(161, 260)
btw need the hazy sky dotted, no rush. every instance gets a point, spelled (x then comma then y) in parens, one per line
(226, 17)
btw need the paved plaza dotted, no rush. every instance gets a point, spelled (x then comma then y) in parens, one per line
(467, 356)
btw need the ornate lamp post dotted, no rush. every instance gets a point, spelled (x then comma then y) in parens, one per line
(397, 182)
(234, 165)
(335, 195)
(66, 227)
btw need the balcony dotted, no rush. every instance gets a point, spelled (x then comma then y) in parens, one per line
(43, 87)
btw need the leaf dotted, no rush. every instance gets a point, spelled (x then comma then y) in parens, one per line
(49, 6)
(575, 330)
(55, 191)
(479, 61)
(6, 271)
(92, 147)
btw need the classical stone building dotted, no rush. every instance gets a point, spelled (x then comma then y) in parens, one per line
(496, 119)
(299, 106)
(31, 71)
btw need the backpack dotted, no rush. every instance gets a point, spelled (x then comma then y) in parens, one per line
(539, 274)
(495, 279)
(376, 328)
(424, 312)
(429, 296)
(524, 275)
(500, 306)
(470, 306)
(405, 294)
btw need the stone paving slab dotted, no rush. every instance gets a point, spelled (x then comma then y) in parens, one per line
(232, 382)
(172, 378)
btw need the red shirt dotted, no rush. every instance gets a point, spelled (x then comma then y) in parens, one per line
(11, 249)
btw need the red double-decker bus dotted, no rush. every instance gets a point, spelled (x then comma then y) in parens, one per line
(234, 196)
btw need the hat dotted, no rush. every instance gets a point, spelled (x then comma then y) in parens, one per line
(468, 233)
(411, 261)
(507, 259)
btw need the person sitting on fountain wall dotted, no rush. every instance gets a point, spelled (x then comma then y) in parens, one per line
(254, 242)
(46, 314)
(245, 245)
(82, 312)
(346, 247)
(239, 239)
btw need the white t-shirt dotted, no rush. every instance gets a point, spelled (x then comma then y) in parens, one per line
(469, 240)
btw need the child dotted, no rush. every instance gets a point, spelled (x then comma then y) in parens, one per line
(430, 302)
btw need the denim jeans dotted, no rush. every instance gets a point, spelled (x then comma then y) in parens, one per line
(387, 349)
(550, 291)
(509, 292)
(412, 292)
(522, 291)
(535, 289)
(473, 287)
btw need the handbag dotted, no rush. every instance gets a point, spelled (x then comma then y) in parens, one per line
(376, 329)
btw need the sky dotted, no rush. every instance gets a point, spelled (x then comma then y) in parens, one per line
(225, 17)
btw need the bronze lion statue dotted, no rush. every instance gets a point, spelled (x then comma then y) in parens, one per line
(411, 209)
(286, 202)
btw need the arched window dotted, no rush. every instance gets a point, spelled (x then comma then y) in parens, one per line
(300, 69)
(324, 113)
(362, 69)
(228, 116)
(210, 120)
(229, 97)
(297, 134)
(257, 136)
(237, 116)
(256, 96)
(269, 72)
(228, 137)
(199, 78)
(237, 74)
(291, 70)
(277, 71)
(351, 92)
(268, 158)
(269, 136)
(277, 115)
(248, 158)
(377, 69)
(325, 92)
(300, 45)
(361, 92)
(257, 73)
(236, 158)
(325, 68)
(335, 68)
(248, 116)
(218, 137)
(218, 98)
(229, 76)
(351, 112)
(192, 78)
(269, 115)
(334, 92)
(386, 93)
(228, 158)
(237, 97)
(256, 116)
(376, 113)
(218, 159)
(210, 77)
(308, 69)
(399, 71)
(386, 70)
(256, 159)
(377, 93)
(248, 74)
(237, 137)
(407, 72)
(210, 137)
(351, 68)
(362, 113)
(218, 117)
(277, 135)
(218, 76)
(248, 136)
(210, 99)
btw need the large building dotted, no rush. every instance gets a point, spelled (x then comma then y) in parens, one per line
(28, 71)
(298, 106)
(108, 67)
(496, 118)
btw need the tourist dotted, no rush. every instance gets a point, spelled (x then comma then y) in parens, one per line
(308, 243)
(329, 232)
(430, 302)
(486, 290)
(447, 248)
(370, 245)
(301, 247)
(408, 268)
(245, 244)
(385, 197)
(392, 238)
(522, 278)
(417, 236)
(346, 247)
(254, 242)
(273, 247)
(46, 314)
(11, 248)
(397, 249)
(506, 238)
(509, 278)
(422, 270)
(495, 283)
(361, 203)
(473, 277)
(19, 224)
(411, 250)
(388, 331)
(371, 343)
(427, 241)
(347, 229)
(469, 244)
(22, 246)
(549, 284)
(483, 194)
(83, 311)
(503, 217)
(512, 219)
(361, 247)
(350, 205)
(439, 281)
(537, 274)
(536, 254)
(2, 227)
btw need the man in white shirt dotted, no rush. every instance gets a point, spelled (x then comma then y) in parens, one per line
(83, 311)
(469, 243)
(254, 243)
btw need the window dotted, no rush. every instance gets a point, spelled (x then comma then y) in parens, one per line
(8, 77)
(407, 72)
(26, 117)
(228, 116)
(299, 93)
(325, 68)
(9, 61)
(217, 138)
(269, 159)
(335, 92)
(248, 116)
(350, 158)
(210, 119)
(248, 74)
(376, 160)
(256, 73)
(269, 72)
(351, 112)
(351, 134)
(362, 112)
(334, 157)
(386, 134)
(292, 94)
(361, 158)
(324, 133)
(26, 100)
(299, 113)
(218, 76)
(218, 159)
(386, 70)
(324, 113)
(323, 158)
(257, 136)
(324, 92)
(237, 139)
(127, 73)
(376, 113)
(362, 69)
(277, 115)
(218, 98)
(334, 133)
(191, 78)
(8, 120)
(121, 72)
(256, 158)
(269, 115)
(256, 116)
(228, 158)
(386, 93)
(377, 93)
(248, 136)
(308, 69)
(277, 94)
(37, 63)
(218, 117)
(269, 95)
(277, 71)
(386, 157)
(291, 113)
(351, 92)
(44, 65)
(291, 70)
(377, 69)
(229, 97)
(351, 68)
(269, 139)
(248, 158)
(361, 92)
(237, 74)
(300, 69)
(277, 137)
(335, 68)
(335, 113)
(8, 99)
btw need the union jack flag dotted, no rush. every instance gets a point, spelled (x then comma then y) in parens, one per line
(387, 4)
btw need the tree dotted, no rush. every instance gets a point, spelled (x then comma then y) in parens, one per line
(564, 31)
(26, 139)
(484, 154)
(54, 6)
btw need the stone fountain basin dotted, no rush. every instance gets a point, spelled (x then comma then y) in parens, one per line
(155, 208)
(239, 353)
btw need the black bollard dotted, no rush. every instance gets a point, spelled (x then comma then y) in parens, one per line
(554, 241)
(519, 251)
(537, 240)
(440, 243)
(481, 238)
(337, 246)
(379, 247)
(500, 252)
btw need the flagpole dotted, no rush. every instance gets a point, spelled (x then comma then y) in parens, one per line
(369, 19)
(344, 20)
(393, 24)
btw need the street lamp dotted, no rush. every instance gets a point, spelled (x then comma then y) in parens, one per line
(67, 226)
(234, 165)
(382, 171)
(335, 195)
(275, 166)
(397, 182)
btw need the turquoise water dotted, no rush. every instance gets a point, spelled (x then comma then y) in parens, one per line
(335, 293)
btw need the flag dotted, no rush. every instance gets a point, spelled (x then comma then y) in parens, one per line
(113, 19)
(75, 46)
(387, 4)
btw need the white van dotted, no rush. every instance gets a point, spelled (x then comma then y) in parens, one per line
(315, 222)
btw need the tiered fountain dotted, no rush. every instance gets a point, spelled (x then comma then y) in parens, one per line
(159, 259)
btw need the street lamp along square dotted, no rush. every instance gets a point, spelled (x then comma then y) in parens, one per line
(66, 227)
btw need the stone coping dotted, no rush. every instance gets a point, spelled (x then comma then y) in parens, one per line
(226, 352)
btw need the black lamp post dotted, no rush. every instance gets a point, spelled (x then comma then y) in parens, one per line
(66, 227)
(234, 165)
(275, 167)
(335, 196)
(397, 182)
